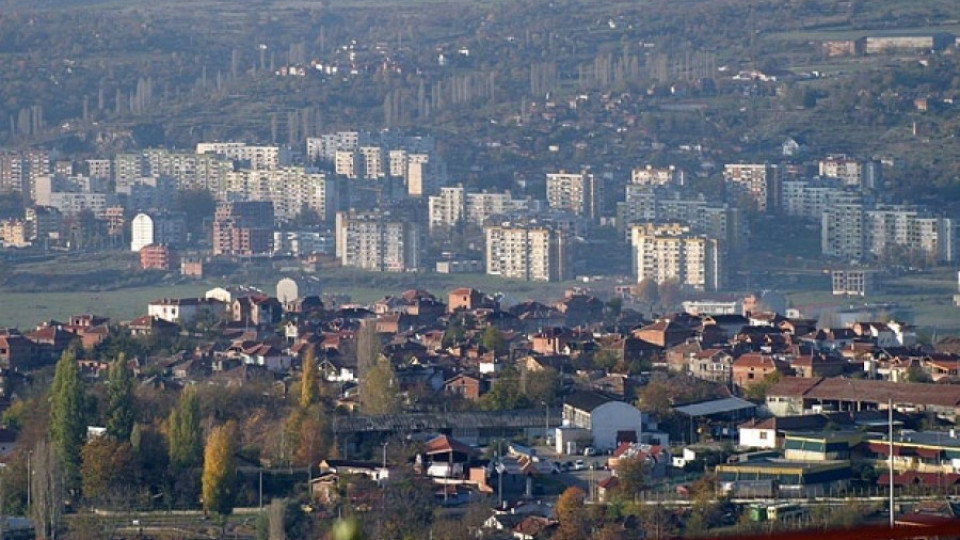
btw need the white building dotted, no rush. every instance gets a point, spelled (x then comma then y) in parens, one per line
(606, 421)
(377, 241)
(579, 193)
(657, 176)
(184, 310)
(527, 251)
(672, 252)
(255, 157)
(447, 208)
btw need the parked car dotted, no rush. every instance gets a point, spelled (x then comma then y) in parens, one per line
(589, 451)
(579, 465)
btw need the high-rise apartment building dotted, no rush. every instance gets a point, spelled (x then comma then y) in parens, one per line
(759, 182)
(529, 252)
(657, 176)
(377, 241)
(672, 252)
(579, 193)
(243, 228)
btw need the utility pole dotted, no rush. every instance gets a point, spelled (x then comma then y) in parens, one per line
(890, 448)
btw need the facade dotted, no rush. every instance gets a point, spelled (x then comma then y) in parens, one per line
(290, 189)
(609, 422)
(855, 282)
(183, 309)
(851, 172)
(527, 251)
(808, 199)
(672, 252)
(644, 204)
(579, 193)
(900, 232)
(759, 182)
(243, 228)
(158, 257)
(447, 208)
(655, 176)
(43, 223)
(254, 157)
(482, 206)
(377, 241)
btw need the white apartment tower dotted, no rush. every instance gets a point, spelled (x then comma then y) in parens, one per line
(378, 242)
(579, 193)
(672, 252)
(527, 252)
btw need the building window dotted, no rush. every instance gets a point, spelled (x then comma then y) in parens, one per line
(763, 435)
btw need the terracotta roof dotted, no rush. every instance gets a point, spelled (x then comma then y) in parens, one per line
(442, 444)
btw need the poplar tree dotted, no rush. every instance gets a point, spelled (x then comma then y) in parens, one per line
(219, 470)
(310, 382)
(66, 428)
(120, 414)
(185, 434)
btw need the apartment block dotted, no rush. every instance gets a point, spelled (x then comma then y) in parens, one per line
(842, 231)
(14, 233)
(657, 176)
(13, 169)
(855, 231)
(663, 252)
(447, 208)
(808, 198)
(529, 252)
(158, 257)
(579, 193)
(482, 206)
(243, 228)
(856, 282)
(251, 156)
(290, 189)
(43, 223)
(377, 241)
(758, 182)
(645, 204)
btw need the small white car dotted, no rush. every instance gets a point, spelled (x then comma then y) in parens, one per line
(579, 465)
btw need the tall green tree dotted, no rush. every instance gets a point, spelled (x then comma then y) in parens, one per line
(185, 434)
(379, 389)
(67, 427)
(120, 413)
(310, 382)
(219, 470)
(493, 340)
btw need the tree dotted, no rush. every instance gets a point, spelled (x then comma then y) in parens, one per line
(120, 413)
(184, 432)
(633, 476)
(571, 514)
(47, 489)
(669, 292)
(647, 292)
(107, 467)
(219, 470)
(67, 427)
(758, 390)
(310, 382)
(506, 393)
(493, 340)
(379, 389)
